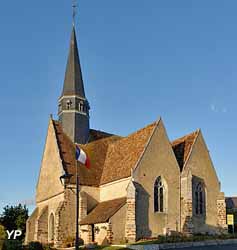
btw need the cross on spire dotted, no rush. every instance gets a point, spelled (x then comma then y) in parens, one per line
(74, 12)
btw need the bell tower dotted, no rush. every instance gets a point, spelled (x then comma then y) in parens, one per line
(73, 107)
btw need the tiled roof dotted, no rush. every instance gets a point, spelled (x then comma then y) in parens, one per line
(97, 135)
(182, 147)
(96, 151)
(112, 157)
(66, 147)
(231, 202)
(123, 155)
(103, 211)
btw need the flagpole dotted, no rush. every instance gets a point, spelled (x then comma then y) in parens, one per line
(77, 207)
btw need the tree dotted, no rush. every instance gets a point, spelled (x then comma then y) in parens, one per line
(3, 233)
(14, 217)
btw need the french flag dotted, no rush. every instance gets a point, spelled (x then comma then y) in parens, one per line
(82, 157)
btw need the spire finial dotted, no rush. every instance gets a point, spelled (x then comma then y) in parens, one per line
(74, 12)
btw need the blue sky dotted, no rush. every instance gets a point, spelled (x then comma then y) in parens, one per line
(140, 60)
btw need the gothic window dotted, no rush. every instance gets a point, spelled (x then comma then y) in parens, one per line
(199, 199)
(69, 104)
(159, 195)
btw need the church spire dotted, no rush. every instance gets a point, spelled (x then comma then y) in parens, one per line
(73, 107)
(73, 82)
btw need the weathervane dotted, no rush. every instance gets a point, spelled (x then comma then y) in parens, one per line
(74, 12)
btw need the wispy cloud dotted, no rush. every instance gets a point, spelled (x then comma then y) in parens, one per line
(213, 108)
(218, 109)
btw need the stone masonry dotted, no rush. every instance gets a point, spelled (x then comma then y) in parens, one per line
(221, 213)
(186, 204)
(130, 226)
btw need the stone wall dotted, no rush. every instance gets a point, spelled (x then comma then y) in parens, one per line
(114, 190)
(86, 233)
(92, 194)
(200, 165)
(82, 205)
(52, 204)
(65, 218)
(221, 213)
(49, 184)
(130, 224)
(103, 233)
(30, 226)
(186, 204)
(41, 226)
(187, 217)
(118, 222)
(158, 160)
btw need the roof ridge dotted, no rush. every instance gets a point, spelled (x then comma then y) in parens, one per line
(121, 156)
(148, 142)
(135, 132)
(183, 147)
(103, 211)
(182, 138)
(99, 140)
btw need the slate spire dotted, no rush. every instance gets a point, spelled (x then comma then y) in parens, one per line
(73, 82)
(73, 107)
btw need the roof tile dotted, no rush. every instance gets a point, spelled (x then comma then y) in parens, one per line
(182, 147)
(111, 157)
(231, 202)
(103, 211)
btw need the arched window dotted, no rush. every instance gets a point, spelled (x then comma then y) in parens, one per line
(159, 195)
(69, 104)
(199, 199)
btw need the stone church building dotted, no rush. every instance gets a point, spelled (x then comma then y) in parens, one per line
(139, 186)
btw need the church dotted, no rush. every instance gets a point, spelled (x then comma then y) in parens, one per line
(139, 186)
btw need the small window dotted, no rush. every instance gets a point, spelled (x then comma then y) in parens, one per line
(69, 104)
(81, 106)
(159, 195)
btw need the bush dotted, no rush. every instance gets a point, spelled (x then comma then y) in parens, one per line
(12, 245)
(1, 244)
(35, 246)
(3, 234)
(48, 247)
(14, 217)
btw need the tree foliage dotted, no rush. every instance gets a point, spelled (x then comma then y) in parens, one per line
(3, 233)
(14, 217)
